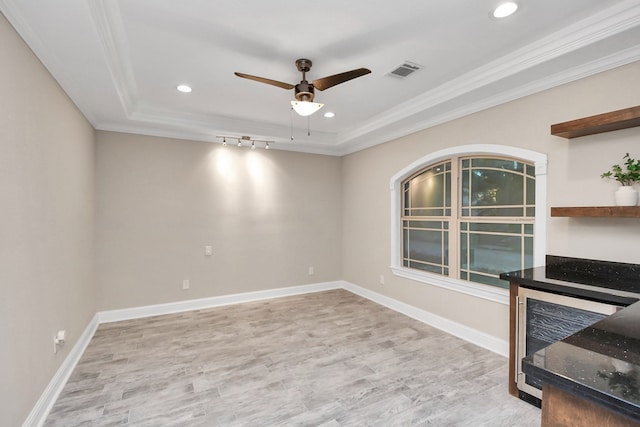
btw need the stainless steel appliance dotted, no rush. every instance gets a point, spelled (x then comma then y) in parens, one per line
(544, 318)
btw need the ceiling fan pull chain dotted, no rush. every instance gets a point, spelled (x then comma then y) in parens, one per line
(292, 123)
(308, 126)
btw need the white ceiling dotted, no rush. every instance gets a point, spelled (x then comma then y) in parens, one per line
(121, 60)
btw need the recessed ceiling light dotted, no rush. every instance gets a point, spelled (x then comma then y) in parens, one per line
(329, 114)
(184, 88)
(505, 9)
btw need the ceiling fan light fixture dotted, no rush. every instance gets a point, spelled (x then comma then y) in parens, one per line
(306, 108)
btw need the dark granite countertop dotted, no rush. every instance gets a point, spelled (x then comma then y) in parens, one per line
(602, 281)
(601, 362)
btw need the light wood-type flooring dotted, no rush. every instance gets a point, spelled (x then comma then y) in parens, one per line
(323, 359)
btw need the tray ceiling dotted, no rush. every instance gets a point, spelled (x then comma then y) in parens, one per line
(120, 61)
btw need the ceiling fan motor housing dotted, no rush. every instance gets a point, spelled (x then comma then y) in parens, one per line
(304, 91)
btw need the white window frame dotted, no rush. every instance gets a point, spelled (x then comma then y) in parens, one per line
(488, 292)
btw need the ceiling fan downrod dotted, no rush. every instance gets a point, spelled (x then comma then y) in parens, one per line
(303, 90)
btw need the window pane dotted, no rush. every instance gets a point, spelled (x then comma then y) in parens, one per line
(464, 190)
(488, 280)
(405, 243)
(528, 252)
(427, 190)
(432, 225)
(426, 267)
(495, 187)
(426, 246)
(508, 165)
(490, 187)
(464, 251)
(494, 211)
(531, 191)
(427, 212)
(445, 248)
(495, 228)
(494, 254)
(428, 193)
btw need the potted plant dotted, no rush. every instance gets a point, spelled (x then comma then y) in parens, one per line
(627, 175)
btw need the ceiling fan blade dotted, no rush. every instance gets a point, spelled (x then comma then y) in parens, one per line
(267, 81)
(336, 79)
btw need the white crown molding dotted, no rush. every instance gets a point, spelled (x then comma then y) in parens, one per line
(380, 128)
(110, 28)
(581, 34)
(609, 62)
(46, 56)
(39, 412)
(391, 124)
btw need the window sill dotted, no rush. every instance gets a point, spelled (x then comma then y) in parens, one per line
(478, 290)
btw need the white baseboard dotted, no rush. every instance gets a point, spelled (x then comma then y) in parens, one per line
(474, 336)
(199, 304)
(39, 412)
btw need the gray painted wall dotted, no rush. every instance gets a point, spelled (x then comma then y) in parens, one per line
(269, 215)
(46, 225)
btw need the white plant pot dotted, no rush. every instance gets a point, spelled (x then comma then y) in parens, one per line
(626, 196)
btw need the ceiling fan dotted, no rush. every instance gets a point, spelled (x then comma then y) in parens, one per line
(304, 91)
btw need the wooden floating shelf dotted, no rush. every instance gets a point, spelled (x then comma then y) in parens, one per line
(615, 120)
(598, 211)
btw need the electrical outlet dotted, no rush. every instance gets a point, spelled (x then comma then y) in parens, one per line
(381, 280)
(208, 250)
(186, 284)
(58, 340)
(311, 271)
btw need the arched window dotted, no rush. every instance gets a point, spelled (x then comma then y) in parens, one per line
(462, 216)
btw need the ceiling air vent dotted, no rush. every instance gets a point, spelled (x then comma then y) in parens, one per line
(405, 69)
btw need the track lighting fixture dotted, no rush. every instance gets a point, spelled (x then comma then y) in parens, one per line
(240, 140)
